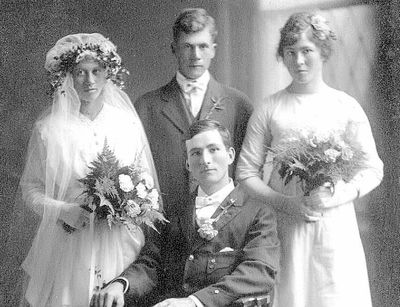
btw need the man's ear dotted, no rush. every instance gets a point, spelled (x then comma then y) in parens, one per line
(231, 153)
(173, 47)
(214, 48)
(187, 165)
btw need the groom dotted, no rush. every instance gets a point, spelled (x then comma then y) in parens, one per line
(225, 244)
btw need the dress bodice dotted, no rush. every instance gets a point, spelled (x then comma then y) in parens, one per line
(285, 116)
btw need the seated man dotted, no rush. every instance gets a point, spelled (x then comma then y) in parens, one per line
(226, 244)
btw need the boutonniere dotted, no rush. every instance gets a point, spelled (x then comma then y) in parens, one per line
(207, 230)
(218, 105)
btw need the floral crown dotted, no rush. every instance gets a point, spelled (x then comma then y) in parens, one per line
(322, 29)
(70, 50)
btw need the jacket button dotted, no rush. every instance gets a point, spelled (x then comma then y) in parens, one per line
(211, 266)
(216, 291)
(212, 260)
(191, 258)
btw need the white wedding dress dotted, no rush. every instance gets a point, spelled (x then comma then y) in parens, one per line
(322, 263)
(65, 279)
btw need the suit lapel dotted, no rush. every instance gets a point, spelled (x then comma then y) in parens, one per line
(189, 222)
(210, 98)
(174, 108)
(235, 203)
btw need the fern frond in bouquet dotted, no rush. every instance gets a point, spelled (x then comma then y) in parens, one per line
(121, 195)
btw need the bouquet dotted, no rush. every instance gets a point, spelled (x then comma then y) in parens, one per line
(121, 195)
(318, 160)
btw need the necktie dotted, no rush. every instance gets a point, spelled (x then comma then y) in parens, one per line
(202, 202)
(205, 207)
(194, 90)
(193, 85)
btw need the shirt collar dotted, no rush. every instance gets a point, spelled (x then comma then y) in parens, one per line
(221, 194)
(201, 82)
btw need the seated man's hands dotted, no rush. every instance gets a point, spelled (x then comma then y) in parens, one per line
(177, 302)
(110, 296)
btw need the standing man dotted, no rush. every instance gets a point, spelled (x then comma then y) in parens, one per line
(192, 94)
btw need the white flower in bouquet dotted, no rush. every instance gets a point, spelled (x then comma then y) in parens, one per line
(133, 209)
(141, 190)
(319, 138)
(347, 153)
(154, 198)
(148, 180)
(125, 183)
(332, 154)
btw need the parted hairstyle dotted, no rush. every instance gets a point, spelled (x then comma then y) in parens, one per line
(193, 20)
(316, 29)
(204, 125)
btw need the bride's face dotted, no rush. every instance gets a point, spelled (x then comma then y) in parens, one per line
(89, 77)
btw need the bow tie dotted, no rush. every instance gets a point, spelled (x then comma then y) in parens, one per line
(189, 86)
(202, 202)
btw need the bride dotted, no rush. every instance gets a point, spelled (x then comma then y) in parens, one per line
(88, 108)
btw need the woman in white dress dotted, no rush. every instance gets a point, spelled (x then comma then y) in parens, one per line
(67, 259)
(323, 262)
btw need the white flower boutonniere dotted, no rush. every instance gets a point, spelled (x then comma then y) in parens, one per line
(207, 230)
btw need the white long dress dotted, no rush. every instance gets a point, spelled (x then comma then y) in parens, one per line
(322, 263)
(65, 280)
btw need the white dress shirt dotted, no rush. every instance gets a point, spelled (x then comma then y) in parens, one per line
(205, 208)
(193, 90)
(207, 204)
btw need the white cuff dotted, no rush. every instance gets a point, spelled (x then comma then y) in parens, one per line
(123, 281)
(196, 301)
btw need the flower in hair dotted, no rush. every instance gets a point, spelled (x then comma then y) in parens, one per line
(321, 27)
(69, 55)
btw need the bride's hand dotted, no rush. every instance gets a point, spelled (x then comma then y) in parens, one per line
(74, 218)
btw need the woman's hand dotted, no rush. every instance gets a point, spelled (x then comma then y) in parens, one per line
(74, 218)
(324, 197)
(319, 198)
(296, 206)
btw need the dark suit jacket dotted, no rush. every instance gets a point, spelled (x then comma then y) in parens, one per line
(193, 265)
(165, 118)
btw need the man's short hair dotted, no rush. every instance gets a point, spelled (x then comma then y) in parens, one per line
(194, 20)
(204, 125)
